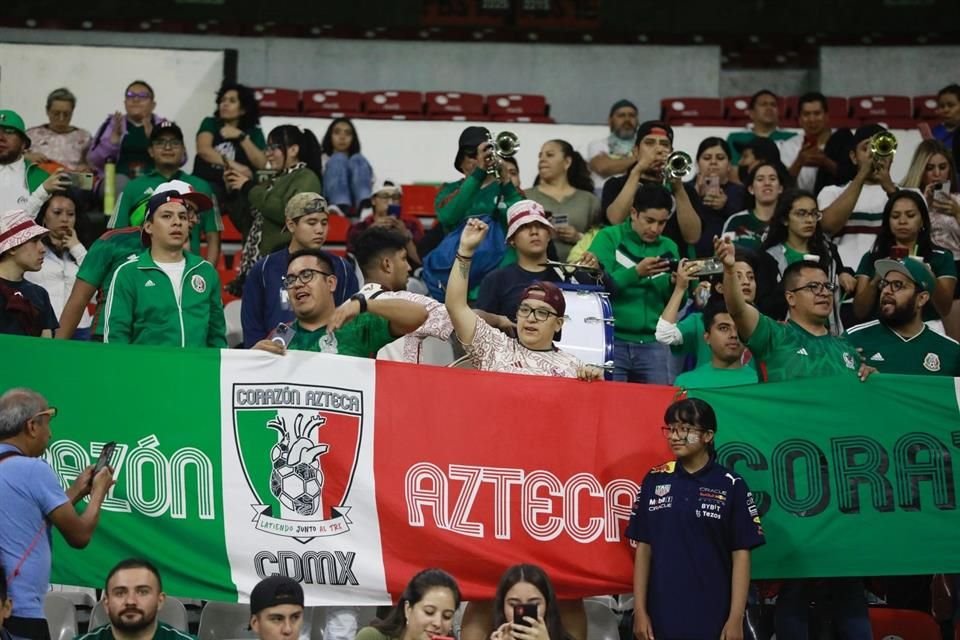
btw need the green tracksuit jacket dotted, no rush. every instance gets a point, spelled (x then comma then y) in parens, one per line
(143, 309)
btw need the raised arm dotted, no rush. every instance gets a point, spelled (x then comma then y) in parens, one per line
(687, 218)
(461, 315)
(744, 315)
(836, 214)
(667, 332)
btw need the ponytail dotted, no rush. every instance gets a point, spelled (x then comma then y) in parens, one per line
(287, 135)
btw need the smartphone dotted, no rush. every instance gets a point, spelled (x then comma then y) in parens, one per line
(559, 218)
(711, 185)
(707, 267)
(81, 180)
(266, 175)
(522, 611)
(106, 455)
(810, 141)
(283, 335)
(941, 192)
(393, 210)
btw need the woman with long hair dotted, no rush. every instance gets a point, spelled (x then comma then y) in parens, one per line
(564, 187)
(795, 233)
(715, 198)
(425, 610)
(526, 584)
(689, 535)
(749, 227)
(347, 174)
(905, 232)
(933, 171)
(231, 135)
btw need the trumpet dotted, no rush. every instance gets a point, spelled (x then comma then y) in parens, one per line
(882, 145)
(505, 145)
(677, 166)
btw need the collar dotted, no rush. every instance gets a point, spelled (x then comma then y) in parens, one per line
(156, 174)
(291, 169)
(147, 262)
(707, 468)
(813, 335)
(923, 327)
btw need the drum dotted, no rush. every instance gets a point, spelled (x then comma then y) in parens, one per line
(588, 325)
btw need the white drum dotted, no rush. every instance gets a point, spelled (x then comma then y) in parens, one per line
(588, 326)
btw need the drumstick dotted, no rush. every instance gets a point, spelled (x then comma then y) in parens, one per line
(571, 265)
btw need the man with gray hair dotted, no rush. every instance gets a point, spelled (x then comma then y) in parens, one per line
(30, 498)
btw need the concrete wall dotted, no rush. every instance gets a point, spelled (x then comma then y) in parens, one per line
(910, 71)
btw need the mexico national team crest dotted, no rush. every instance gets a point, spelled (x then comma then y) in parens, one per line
(931, 362)
(298, 446)
(198, 283)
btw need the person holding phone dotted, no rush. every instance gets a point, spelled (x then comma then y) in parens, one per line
(905, 232)
(694, 522)
(814, 158)
(526, 607)
(387, 211)
(424, 612)
(23, 184)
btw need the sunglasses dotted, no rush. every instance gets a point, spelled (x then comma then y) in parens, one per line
(139, 95)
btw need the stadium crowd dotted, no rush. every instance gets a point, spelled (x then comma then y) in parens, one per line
(767, 256)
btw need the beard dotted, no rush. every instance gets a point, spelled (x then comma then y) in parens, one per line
(146, 619)
(901, 314)
(11, 156)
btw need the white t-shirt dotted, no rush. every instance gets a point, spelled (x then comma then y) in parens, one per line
(859, 233)
(789, 150)
(594, 149)
(174, 271)
(493, 350)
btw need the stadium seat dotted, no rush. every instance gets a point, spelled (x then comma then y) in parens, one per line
(509, 117)
(337, 229)
(687, 109)
(230, 232)
(602, 623)
(892, 123)
(61, 616)
(837, 107)
(419, 199)
(925, 108)
(791, 105)
(516, 104)
(172, 613)
(905, 624)
(409, 103)
(735, 107)
(332, 102)
(231, 314)
(700, 122)
(454, 102)
(279, 102)
(220, 620)
(870, 108)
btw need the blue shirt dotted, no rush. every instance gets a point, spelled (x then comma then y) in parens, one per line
(265, 303)
(29, 491)
(944, 135)
(693, 524)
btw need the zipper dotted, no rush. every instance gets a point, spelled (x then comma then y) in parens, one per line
(183, 331)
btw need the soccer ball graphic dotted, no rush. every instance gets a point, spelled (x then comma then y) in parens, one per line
(296, 479)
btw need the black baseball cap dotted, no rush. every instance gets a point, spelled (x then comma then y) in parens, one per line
(166, 128)
(654, 126)
(470, 138)
(866, 132)
(274, 591)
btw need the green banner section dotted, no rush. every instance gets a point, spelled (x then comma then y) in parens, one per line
(162, 407)
(851, 478)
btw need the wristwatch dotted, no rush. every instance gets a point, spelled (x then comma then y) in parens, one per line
(362, 299)
(241, 137)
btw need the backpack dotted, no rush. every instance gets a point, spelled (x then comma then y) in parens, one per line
(438, 263)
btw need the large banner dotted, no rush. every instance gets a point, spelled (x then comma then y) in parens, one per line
(350, 475)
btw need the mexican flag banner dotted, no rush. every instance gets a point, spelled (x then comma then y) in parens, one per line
(350, 475)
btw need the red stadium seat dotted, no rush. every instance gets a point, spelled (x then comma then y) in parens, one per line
(523, 118)
(866, 107)
(516, 104)
(475, 117)
(454, 102)
(735, 107)
(903, 623)
(331, 101)
(699, 122)
(281, 102)
(418, 199)
(925, 108)
(337, 229)
(408, 103)
(790, 109)
(892, 123)
(677, 109)
(837, 107)
(230, 232)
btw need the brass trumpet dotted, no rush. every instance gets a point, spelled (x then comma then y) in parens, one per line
(505, 145)
(882, 145)
(677, 165)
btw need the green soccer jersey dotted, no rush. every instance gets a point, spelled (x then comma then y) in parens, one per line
(927, 353)
(746, 229)
(110, 251)
(940, 262)
(163, 632)
(709, 377)
(361, 337)
(787, 351)
(692, 330)
(739, 138)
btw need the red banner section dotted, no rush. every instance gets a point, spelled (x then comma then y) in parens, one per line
(507, 469)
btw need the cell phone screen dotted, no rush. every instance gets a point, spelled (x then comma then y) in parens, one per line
(106, 455)
(522, 611)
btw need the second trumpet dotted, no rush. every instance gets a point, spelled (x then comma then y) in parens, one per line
(505, 145)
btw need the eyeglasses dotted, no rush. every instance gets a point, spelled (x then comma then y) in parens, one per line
(167, 143)
(51, 413)
(272, 147)
(895, 285)
(807, 213)
(817, 288)
(681, 430)
(539, 313)
(305, 276)
(139, 95)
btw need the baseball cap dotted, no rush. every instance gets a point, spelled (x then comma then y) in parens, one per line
(917, 270)
(387, 186)
(304, 204)
(157, 200)
(12, 120)
(17, 228)
(166, 128)
(654, 127)
(620, 104)
(200, 200)
(865, 132)
(274, 591)
(546, 292)
(470, 138)
(525, 212)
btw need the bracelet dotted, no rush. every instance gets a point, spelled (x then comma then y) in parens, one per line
(463, 258)
(362, 299)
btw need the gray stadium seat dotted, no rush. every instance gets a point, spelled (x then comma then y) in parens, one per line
(172, 613)
(602, 623)
(61, 617)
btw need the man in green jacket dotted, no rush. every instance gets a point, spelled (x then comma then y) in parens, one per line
(167, 296)
(637, 257)
(167, 150)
